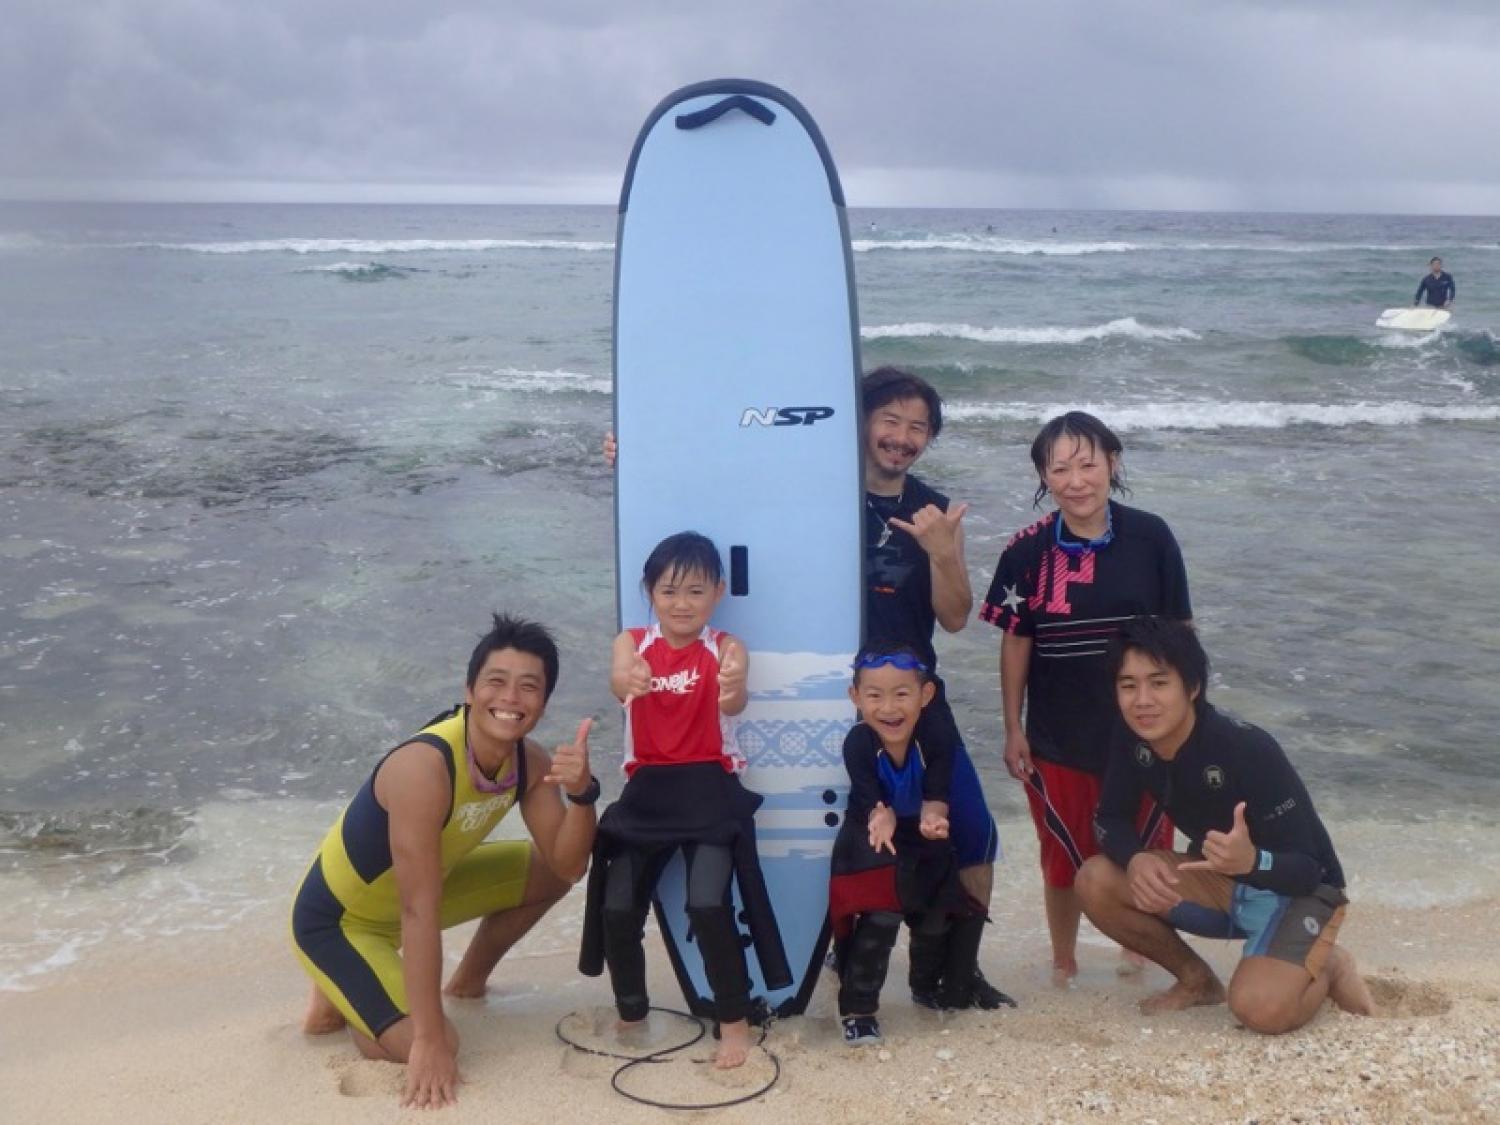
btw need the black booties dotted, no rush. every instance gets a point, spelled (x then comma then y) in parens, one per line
(928, 954)
(960, 962)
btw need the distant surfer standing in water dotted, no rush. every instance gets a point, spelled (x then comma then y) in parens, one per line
(1437, 287)
(408, 858)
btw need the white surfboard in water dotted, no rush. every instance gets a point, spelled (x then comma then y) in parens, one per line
(1414, 319)
(736, 406)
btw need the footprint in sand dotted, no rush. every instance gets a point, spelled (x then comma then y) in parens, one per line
(368, 1078)
(1396, 998)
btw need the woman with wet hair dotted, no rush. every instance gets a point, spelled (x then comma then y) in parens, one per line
(1062, 589)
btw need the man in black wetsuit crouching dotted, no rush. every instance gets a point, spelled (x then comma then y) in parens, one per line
(1260, 865)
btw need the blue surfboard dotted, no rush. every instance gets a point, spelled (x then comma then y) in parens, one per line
(736, 372)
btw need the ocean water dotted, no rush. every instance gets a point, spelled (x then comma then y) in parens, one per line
(265, 469)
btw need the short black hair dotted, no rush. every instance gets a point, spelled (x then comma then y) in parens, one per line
(1171, 644)
(885, 385)
(681, 554)
(877, 649)
(1082, 427)
(523, 636)
(1439, 261)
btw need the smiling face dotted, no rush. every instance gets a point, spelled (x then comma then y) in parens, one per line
(508, 697)
(684, 600)
(1078, 475)
(896, 434)
(1155, 702)
(890, 700)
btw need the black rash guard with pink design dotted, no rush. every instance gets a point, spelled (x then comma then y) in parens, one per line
(1071, 598)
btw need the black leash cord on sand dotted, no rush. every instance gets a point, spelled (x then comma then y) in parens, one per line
(661, 1056)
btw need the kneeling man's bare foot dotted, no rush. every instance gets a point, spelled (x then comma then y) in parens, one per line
(461, 988)
(734, 1045)
(322, 1017)
(1346, 987)
(1191, 993)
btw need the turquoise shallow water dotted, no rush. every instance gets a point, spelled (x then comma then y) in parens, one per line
(263, 470)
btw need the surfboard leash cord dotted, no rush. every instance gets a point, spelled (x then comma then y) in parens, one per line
(661, 1056)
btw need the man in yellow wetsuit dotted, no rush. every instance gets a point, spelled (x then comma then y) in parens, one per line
(407, 859)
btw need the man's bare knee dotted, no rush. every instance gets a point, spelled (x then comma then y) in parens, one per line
(1267, 1011)
(1097, 881)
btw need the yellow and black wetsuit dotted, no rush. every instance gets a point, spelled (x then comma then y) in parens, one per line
(346, 917)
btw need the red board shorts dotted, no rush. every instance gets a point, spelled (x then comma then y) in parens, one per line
(1063, 801)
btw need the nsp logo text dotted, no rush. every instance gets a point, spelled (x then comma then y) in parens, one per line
(785, 415)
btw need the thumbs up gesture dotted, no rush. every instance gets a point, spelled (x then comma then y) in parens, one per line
(734, 669)
(1228, 853)
(570, 763)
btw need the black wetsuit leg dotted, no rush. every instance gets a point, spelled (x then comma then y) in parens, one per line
(709, 870)
(865, 961)
(627, 896)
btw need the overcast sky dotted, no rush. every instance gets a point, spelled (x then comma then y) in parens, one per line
(1324, 105)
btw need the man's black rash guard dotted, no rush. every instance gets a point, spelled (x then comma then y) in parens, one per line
(1440, 290)
(1223, 762)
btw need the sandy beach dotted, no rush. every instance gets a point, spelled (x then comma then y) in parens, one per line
(204, 1027)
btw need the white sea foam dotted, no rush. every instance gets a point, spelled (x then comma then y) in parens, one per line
(974, 244)
(354, 268)
(376, 246)
(1228, 415)
(993, 244)
(543, 382)
(1409, 340)
(1124, 327)
(243, 862)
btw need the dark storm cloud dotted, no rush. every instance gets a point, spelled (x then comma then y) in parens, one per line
(1249, 104)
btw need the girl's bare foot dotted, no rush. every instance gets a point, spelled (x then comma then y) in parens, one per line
(1346, 987)
(322, 1017)
(734, 1045)
(1063, 972)
(1185, 994)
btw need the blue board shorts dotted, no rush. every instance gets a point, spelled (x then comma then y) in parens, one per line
(1300, 929)
(970, 826)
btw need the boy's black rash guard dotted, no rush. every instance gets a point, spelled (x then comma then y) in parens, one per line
(1223, 762)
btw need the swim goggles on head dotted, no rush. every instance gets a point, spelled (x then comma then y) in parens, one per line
(1079, 546)
(903, 660)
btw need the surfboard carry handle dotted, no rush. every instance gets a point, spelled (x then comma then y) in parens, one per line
(738, 101)
(739, 572)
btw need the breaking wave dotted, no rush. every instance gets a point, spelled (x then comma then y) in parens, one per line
(1228, 415)
(1122, 328)
(377, 246)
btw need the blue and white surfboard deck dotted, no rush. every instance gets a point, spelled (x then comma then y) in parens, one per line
(736, 392)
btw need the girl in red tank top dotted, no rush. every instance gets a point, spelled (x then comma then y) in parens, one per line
(681, 682)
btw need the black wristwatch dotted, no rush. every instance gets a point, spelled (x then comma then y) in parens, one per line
(588, 796)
